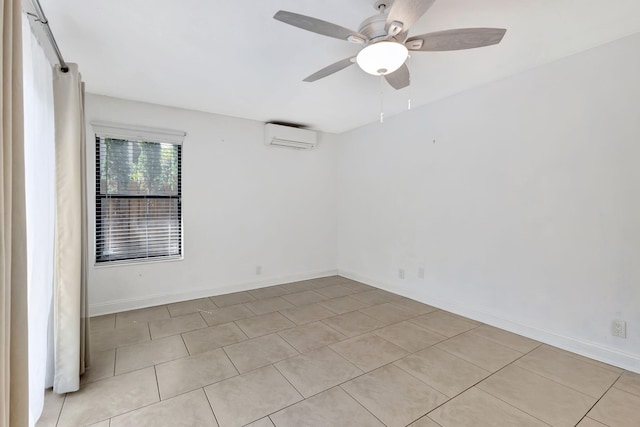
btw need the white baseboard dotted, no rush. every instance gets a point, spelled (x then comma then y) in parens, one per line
(593, 350)
(152, 300)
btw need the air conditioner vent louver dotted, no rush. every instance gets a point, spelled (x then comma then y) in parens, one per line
(289, 137)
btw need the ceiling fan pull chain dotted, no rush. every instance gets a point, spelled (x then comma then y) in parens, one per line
(381, 98)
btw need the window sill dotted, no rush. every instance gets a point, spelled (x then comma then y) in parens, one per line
(123, 263)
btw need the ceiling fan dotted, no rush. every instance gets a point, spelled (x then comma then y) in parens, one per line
(386, 42)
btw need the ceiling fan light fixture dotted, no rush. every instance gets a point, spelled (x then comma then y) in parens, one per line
(382, 58)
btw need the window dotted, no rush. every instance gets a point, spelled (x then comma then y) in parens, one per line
(138, 198)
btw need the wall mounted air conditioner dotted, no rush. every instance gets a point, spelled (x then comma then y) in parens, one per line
(289, 137)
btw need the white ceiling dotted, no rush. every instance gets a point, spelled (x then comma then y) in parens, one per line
(232, 58)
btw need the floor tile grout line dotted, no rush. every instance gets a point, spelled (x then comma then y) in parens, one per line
(626, 391)
(382, 338)
(167, 399)
(115, 349)
(268, 333)
(348, 361)
(115, 364)
(411, 352)
(563, 384)
(417, 314)
(373, 331)
(334, 329)
(206, 396)
(363, 372)
(246, 304)
(362, 404)
(82, 386)
(497, 397)
(140, 407)
(64, 400)
(284, 407)
(185, 345)
(336, 313)
(202, 317)
(290, 383)
(417, 326)
(182, 393)
(433, 386)
(366, 372)
(166, 307)
(235, 322)
(430, 419)
(316, 394)
(300, 305)
(439, 333)
(231, 360)
(155, 373)
(393, 362)
(212, 301)
(296, 348)
(295, 307)
(585, 359)
(270, 363)
(600, 398)
(501, 343)
(113, 368)
(593, 419)
(469, 361)
(379, 320)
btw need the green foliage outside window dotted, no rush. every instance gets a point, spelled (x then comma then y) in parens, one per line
(130, 167)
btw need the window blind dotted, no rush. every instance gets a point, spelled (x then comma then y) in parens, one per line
(138, 198)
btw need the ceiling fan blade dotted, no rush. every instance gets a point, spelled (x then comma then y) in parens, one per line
(318, 26)
(399, 78)
(327, 71)
(407, 12)
(461, 38)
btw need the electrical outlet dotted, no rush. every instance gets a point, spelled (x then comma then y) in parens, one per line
(401, 273)
(619, 328)
(258, 270)
(421, 273)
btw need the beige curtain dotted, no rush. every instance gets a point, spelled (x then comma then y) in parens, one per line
(70, 328)
(14, 380)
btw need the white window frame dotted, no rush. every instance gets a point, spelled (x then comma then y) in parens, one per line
(137, 134)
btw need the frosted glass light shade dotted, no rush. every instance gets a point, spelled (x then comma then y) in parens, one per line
(382, 58)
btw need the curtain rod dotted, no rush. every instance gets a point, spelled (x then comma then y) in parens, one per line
(42, 19)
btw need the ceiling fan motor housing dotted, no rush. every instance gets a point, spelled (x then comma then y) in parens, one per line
(374, 27)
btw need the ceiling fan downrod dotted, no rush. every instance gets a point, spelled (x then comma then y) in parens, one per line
(380, 6)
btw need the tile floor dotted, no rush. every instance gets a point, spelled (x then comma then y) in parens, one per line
(332, 352)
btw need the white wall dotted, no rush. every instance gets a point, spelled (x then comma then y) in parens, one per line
(525, 212)
(244, 205)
